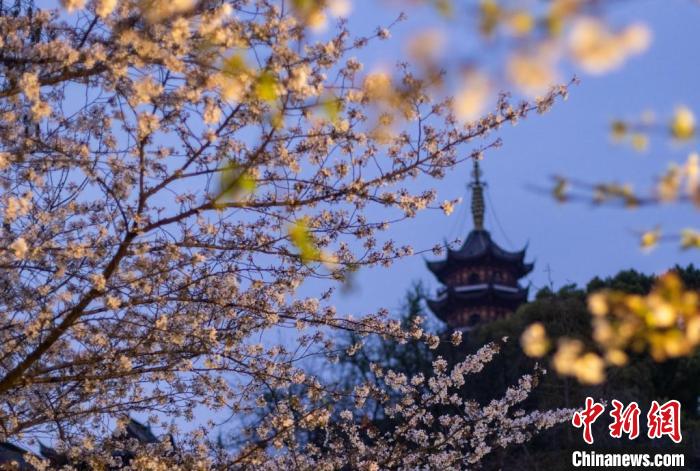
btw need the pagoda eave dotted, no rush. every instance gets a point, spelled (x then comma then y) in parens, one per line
(442, 268)
(493, 295)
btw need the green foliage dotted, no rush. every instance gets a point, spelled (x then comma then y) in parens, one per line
(629, 281)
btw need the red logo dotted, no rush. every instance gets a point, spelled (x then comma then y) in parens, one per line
(626, 420)
(662, 420)
(586, 418)
(665, 420)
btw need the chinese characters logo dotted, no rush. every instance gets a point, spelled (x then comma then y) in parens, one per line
(662, 420)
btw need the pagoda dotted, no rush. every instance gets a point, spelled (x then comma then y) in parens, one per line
(480, 280)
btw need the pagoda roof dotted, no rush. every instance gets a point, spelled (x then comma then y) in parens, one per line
(477, 295)
(479, 247)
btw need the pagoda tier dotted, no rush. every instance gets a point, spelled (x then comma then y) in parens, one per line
(480, 278)
(468, 306)
(480, 250)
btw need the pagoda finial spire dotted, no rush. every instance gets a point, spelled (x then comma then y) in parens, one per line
(478, 207)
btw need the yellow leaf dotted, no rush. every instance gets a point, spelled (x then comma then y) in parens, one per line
(234, 66)
(590, 369)
(690, 239)
(234, 183)
(560, 189)
(640, 142)
(618, 129)
(665, 322)
(555, 24)
(490, 16)
(301, 238)
(683, 123)
(670, 183)
(662, 314)
(332, 107)
(305, 6)
(598, 304)
(534, 340)
(693, 330)
(444, 7)
(277, 120)
(266, 87)
(521, 22)
(472, 97)
(649, 239)
(616, 357)
(310, 12)
(565, 358)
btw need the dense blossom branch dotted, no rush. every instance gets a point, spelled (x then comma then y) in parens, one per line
(172, 174)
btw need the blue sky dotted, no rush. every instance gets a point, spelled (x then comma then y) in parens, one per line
(574, 242)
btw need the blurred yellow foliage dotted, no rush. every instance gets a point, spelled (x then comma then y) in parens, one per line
(640, 142)
(560, 189)
(618, 192)
(234, 78)
(570, 360)
(156, 11)
(234, 183)
(301, 237)
(665, 322)
(690, 239)
(266, 86)
(331, 107)
(533, 73)
(310, 12)
(534, 340)
(598, 49)
(444, 7)
(683, 123)
(309, 252)
(618, 130)
(472, 97)
(490, 15)
(521, 22)
(649, 239)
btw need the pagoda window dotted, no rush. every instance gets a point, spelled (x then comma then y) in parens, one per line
(473, 279)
